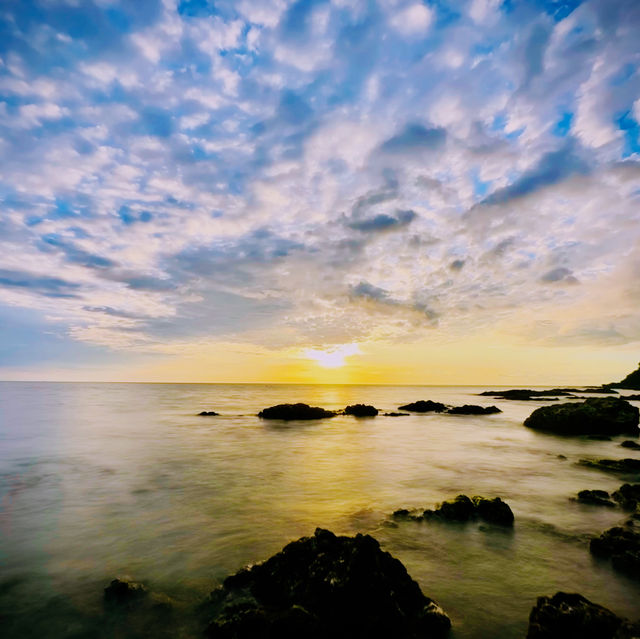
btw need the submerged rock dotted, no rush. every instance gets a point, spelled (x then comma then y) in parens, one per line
(594, 416)
(325, 586)
(628, 496)
(392, 414)
(622, 546)
(361, 410)
(569, 615)
(628, 443)
(626, 466)
(472, 409)
(208, 413)
(463, 508)
(295, 411)
(595, 498)
(424, 406)
(124, 592)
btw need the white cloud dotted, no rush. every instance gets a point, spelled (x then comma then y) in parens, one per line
(413, 20)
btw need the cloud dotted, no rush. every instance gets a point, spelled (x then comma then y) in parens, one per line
(415, 137)
(383, 222)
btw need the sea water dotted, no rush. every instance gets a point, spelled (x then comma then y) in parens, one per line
(111, 480)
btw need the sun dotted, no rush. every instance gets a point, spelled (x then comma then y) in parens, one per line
(332, 357)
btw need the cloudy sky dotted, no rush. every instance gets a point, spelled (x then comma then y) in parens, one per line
(350, 190)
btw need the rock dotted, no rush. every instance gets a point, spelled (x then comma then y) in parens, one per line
(325, 586)
(124, 592)
(568, 615)
(562, 457)
(628, 496)
(494, 511)
(635, 398)
(594, 416)
(295, 411)
(622, 546)
(595, 498)
(463, 508)
(403, 513)
(361, 410)
(423, 406)
(599, 438)
(471, 409)
(626, 466)
(628, 443)
(208, 413)
(525, 393)
(631, 381)
(392, 414)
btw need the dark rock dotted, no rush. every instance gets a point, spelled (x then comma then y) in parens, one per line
(562, 456)
(569, 616)
(599, 438)
(628, 496)
(423, 406)
(628, 443)
(595, 416)
(626, 466)
(471, 409)
(463, 508)
(124, 592)
(595, 498)
(361, 410)
(208, 413)
(622, 546)
(325, 586)
(494, 511)
(635, 398)
(295, 411)
(392, 414)
(631, 381)
(403, 513)
(524, 393)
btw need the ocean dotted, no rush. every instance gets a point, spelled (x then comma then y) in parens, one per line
(99, 481)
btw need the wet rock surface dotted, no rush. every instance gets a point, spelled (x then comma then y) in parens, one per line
(625, 466)
(595, 498)
(628, 496)
(595, 416)
(424, 406)
(463, 509)
(361, 410)
(295, 411)
(622, 546)
(570, 615)
(472, 409)
(208, 413)
(325, 586)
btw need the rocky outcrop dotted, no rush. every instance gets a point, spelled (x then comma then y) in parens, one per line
(595, 416)
(622, 546)
(631, 381)
(568, 615)
(628, 496)
(595, 498)
(361, 410)
(625, 466)
(472, 409)
(124, 593)
(295, 411)
(424, 406)
(464, 508)
(325, 586)
(208, 413)
(526, 394)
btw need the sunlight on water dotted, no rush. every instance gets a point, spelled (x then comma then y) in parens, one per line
(105, 480)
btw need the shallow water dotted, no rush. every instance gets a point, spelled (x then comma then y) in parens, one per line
(106, 480)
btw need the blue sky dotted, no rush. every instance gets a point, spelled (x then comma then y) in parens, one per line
(178, 176)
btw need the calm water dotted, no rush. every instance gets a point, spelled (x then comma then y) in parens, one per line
(106, 480)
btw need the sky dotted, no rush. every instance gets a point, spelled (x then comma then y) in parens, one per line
(358, 191)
